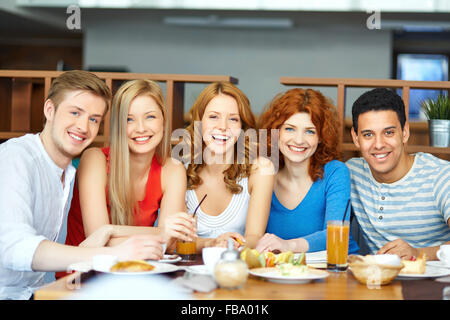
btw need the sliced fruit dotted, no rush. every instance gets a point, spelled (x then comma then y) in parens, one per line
(301, 260)
(284, 257)
(262, 260)
(270, 258)
(248, 256)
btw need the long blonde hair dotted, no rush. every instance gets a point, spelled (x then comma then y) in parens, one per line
(236, 170)
(121, 196)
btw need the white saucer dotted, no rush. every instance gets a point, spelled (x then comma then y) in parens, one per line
(438, 264)
(430, 272)
(168, 258)
(197, 269)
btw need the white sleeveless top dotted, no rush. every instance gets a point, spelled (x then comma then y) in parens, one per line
(232, 219)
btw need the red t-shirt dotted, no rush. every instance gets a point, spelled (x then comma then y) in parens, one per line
(148, 207)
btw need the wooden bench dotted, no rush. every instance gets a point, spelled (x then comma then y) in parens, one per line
(23, 92)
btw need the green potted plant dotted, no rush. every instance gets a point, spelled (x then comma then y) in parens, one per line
(438, 114)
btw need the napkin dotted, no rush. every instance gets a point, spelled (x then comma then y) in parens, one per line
(316, 257)
(196, 282)
(136, 287)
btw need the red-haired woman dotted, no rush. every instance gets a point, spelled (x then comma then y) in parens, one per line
(311, 186)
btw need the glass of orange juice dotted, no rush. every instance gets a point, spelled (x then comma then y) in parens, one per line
(337, 245)
(187, 250)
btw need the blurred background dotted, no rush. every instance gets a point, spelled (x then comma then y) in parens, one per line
(255, 41)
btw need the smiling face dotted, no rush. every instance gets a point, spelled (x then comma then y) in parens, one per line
(73, 125)
(298, 138)
(221, 124)
(381, 141)
(145, 125)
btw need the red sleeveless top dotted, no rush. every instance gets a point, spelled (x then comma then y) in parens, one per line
(148, 206)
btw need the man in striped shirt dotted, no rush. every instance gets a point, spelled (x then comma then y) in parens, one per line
(401, 200)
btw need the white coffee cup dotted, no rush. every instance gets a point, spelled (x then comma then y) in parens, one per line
(210, 257)
(443, 254)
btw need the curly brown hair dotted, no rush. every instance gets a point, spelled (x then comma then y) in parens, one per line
(323, 116)
(236, 170)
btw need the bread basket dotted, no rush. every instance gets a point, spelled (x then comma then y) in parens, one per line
(368, 271)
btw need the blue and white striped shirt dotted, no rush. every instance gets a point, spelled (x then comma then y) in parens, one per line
(416, 208)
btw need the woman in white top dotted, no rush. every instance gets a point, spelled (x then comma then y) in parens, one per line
(238, 187)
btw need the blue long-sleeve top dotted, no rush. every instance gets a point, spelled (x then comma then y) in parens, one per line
(325, 200)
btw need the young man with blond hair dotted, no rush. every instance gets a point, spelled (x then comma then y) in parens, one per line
(36, 180)
(401, 200)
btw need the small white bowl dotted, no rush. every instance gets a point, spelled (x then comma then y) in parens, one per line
(210, 257)
(388, 259)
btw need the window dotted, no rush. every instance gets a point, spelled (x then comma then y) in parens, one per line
(421, 67)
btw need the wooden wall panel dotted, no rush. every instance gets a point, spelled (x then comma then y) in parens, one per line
(5, 104)
(21, 105)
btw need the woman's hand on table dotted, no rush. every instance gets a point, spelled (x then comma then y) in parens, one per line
(222, 240)
(99, 238)
(179, 225)
(270, 242)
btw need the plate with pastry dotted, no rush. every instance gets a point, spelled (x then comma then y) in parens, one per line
(139, 267)
(289, 273)
(417, 268)
(284, 267)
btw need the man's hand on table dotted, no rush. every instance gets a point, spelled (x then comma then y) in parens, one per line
(401, 248)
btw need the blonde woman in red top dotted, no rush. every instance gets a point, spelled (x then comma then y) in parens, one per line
(126, 184)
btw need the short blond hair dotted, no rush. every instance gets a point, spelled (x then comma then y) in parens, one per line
(78, 80)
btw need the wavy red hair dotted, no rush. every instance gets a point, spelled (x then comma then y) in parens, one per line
(323, 116)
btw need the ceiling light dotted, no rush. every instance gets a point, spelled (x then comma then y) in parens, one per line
(215, 21)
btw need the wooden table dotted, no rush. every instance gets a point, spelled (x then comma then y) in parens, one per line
(337, 286)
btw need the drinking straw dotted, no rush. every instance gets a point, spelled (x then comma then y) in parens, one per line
(345, 213)
(195, 211)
